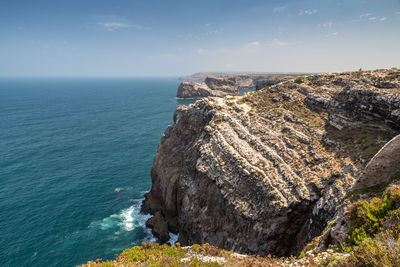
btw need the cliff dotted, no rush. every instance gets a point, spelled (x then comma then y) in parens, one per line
(263, 82)
(265, 173)
(212, 86)
(224, 85)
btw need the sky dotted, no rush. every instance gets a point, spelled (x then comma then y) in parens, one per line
(112, 38)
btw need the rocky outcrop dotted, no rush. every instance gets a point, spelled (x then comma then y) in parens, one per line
(212, 86)
(224, 85)
(195, 90)
(265, 172)
(262, 83)
(383, 167)
(246, 81)
(159, 226)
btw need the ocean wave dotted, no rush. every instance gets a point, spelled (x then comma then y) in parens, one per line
(173, 238)
(118, 189)
(125, 221)
(127, 217)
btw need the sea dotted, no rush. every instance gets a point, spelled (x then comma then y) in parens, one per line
(75, 161)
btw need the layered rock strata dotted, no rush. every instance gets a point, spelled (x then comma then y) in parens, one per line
(265, 172)
(273, 79)
(212, 86)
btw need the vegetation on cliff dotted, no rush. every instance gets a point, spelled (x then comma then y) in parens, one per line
(152, 254)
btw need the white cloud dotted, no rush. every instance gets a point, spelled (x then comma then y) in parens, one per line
(251, 45)
(213, 32)
(326, 25)
(279, 43)
(247, 50)
(113, 23)
(307, 12)
(365, 15)
(374, 19)
(332, 34)
(278, 9)
(368, 16)
(207, 24)
(398, 12)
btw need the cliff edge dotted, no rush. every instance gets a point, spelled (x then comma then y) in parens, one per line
(264, 173)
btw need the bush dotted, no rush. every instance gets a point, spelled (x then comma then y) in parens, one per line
(366, 218)
(383, 250)
(152, 254)
(375, 230)
(299, 80)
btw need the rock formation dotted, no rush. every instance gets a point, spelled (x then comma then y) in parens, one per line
(224, 85)
(265, 172)
(262, 83)
(383, 168)
(246, 81)
(212, 86)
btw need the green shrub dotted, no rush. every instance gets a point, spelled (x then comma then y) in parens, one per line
(366, 217)
(152, 254)
(218, 119)
(299, 80)
(383, 250)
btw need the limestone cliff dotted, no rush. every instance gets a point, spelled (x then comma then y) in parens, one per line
(224, 85)
(212, 86)
(265, 172)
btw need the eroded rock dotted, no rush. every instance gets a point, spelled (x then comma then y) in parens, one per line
(265, 172)
(212, 86)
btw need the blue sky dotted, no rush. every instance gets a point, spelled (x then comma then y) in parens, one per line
(168, 38)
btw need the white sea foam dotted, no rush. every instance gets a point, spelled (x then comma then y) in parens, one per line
(125, 221)
(173, 238)
(107, 223)
(127, 218)
(120, 189)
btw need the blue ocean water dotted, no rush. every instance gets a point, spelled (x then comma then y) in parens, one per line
(75, 160)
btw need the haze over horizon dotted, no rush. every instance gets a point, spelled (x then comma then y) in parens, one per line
(176, 38)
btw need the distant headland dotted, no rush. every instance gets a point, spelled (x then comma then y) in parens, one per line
(221, 84)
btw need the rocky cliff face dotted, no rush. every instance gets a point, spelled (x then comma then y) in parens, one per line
(212, 86)
(265, 172)
(262, 83)
(224, 85)
(246, 81)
